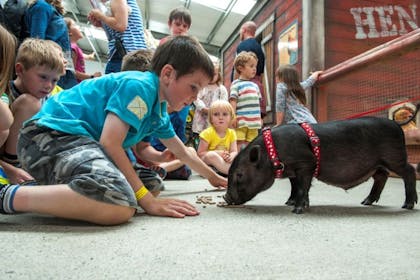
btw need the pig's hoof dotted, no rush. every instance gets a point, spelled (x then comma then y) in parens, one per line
(367, 201)
(408, 205)
(290, 202)
(298, 210)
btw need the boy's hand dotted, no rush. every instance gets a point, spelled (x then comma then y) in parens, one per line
(218, 181)
(168, 207)
(16, 175)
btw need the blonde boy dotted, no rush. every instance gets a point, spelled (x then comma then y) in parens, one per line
(38, 67)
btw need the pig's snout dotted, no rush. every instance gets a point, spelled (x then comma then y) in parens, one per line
(228, 199)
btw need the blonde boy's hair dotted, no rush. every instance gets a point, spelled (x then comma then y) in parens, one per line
(139, 60)
(221, 104)
(242, 58)
(38, 52)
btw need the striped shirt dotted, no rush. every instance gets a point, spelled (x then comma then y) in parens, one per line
(247, 96)
(133, 37)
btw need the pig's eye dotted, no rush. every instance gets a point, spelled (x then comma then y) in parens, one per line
(239, 176)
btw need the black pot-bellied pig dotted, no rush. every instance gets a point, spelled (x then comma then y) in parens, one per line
(351, 151)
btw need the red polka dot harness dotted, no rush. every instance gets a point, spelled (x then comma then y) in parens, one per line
(272, 152)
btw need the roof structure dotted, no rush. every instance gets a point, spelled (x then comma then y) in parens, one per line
(213, 22)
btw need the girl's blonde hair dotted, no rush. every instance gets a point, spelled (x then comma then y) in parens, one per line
(38, 52)
(7, 57)
(221, 104)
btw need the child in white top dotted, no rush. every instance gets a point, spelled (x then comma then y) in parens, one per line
(214, 91)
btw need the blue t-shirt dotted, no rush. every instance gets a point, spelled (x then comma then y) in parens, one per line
(132, 95)
(178, 121)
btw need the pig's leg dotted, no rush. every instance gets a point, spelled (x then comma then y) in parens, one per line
(407, 172)
(379, 179)
(293, 192)
(303, 183)
(409, 176)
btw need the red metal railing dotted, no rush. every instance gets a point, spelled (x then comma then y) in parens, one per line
(372, 83)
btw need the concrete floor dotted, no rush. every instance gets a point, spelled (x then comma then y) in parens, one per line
(337, 238)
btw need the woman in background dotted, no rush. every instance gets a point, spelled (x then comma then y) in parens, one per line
(45, 20)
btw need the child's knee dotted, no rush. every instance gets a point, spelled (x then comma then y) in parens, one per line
(114, 215)
(210, 157)
(27, 104)
(3, 136)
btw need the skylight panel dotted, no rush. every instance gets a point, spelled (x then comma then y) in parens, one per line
(241, 7)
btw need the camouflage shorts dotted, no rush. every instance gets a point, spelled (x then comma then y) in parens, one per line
(52, 157)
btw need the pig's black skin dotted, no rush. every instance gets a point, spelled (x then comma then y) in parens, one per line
(352, 151)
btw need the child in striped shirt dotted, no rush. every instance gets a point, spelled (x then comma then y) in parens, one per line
(245, 99)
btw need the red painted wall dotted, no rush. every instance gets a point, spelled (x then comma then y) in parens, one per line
(353, 27)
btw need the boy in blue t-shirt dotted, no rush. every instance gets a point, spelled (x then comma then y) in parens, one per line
(76, 144)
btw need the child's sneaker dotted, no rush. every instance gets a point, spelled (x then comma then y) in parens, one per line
(182, 173)
(6, 197)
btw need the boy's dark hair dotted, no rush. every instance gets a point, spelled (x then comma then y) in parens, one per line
(182, 14)
(139, 60)
(185, 54)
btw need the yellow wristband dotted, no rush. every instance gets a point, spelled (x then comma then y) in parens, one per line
(140, 193)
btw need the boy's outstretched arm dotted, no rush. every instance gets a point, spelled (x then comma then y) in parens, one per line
(112, 137)
(175, 145)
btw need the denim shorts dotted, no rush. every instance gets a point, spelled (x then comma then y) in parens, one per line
(52, 157)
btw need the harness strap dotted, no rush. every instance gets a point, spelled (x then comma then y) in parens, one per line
(315, 143)
(272, 152)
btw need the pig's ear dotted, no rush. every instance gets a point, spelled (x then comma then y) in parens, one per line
(254, 153)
